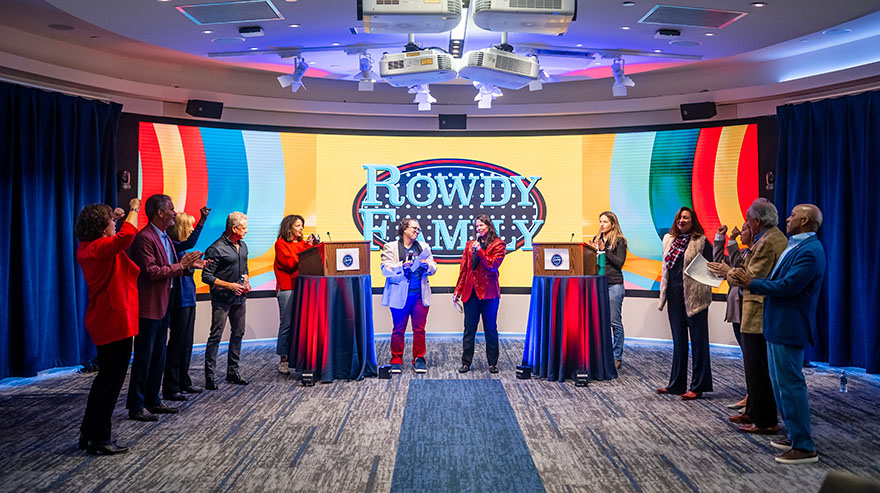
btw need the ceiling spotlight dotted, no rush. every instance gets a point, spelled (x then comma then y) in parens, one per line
(759, 4)
(423, 96)
(710, 34)
(366, 76)
(294, 25)
(294, 80)
(485, 94)
(621, 81)
(625, 28)
(629, 4)
(207, 31)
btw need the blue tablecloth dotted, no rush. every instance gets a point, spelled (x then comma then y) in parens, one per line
(332, 327)
(569, 328)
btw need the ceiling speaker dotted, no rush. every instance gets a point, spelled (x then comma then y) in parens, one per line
(453, 122)
(698, 111)
(204, 109)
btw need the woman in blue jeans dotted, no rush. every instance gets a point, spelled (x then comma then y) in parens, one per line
(611, 241)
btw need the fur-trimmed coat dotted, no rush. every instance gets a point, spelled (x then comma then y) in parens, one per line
(697, 296)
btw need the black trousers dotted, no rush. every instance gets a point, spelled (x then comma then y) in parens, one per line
(219, 314)
(178, 353)
(698, 327)
(148, 363)
(762, 402)
(112, 365)
(474, 309)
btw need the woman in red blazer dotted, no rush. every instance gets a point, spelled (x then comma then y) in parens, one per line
(288, 246)
(111, 316)
(478, 288)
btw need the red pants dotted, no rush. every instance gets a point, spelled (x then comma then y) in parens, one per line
(400, 316)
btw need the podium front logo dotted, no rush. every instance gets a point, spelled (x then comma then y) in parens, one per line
(444, 196)
(556, 260)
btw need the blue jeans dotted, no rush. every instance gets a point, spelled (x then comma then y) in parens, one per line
(615, 296)
(285, 316)
(790, 389)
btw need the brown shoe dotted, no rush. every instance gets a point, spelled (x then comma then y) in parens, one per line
(751, 428)
(691, 396)
(664, 390)
(743, 419)
(798, 456)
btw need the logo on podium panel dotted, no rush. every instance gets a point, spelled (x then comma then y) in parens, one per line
(556, 259)
(445, 195)
(347, 259)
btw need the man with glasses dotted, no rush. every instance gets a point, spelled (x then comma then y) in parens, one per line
(406, 265)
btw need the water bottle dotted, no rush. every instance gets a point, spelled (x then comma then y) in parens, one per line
(843, 381)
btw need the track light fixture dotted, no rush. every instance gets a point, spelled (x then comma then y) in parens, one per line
(485, 94)
(621, 81)
(423, 96)
(294, 80)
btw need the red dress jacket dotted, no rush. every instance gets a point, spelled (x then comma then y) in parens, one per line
(154, 282)
(286, 265)
(484, 278)
(111, 277)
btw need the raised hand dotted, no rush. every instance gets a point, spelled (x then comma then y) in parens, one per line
(204, 211)
(722, 230)
(134, 203)
(734, 233)
(118, 213)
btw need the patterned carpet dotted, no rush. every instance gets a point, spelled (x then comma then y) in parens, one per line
(275, 435)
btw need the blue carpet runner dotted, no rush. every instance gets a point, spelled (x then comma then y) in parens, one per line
(462, 435)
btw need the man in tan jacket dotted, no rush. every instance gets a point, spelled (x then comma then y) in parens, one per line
(769, 242)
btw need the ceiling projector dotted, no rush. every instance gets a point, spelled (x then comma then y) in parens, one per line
(409, 16)
(499, 68)
(524, 16)
(416, 67)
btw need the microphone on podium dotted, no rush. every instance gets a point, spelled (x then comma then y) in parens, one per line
(572, 238)
(328, 236)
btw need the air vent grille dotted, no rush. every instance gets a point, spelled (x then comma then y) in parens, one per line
(536, 4)
(476, 59)
(387, 2)
(690, 16)
(511, 64)
(481, 5)
(444, 62)
(231, 12)
(454, 6)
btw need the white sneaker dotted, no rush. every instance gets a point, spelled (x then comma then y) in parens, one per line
(284, 368)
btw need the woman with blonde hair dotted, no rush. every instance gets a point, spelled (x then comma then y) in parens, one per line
(288, 246)
(611, 242)
(184, 235)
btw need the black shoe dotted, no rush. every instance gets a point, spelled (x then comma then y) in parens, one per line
(464, 368)
(493, 369)
(163, 409)
(142, 415)
(105, 448)
(237, 380)
(192, 390)
(177, 396)
(209, 384)
(83, 442)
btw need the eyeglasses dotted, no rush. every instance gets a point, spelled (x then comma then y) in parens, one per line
(415, 228)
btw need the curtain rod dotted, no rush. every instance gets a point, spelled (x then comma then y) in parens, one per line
(46, 87)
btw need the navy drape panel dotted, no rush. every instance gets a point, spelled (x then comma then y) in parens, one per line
(829, 155)
(57, 154)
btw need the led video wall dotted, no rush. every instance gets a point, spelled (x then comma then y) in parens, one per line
(542, 188)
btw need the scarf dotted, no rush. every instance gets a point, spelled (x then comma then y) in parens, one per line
(677, 249)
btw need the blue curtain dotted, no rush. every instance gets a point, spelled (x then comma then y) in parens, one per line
(58, 154)
(829, 155)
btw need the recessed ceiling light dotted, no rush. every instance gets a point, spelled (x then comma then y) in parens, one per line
(836, 32)
(289, 0)
(207, 31)
(61, 27)
(759, 4)
(658, 51)
(710, 34)
(629, 4)
(294, 25)
(334, 44)
(164, 0)
(625, 28)
(805, 41)
(579, 45)
(684, 43)
(253, 48)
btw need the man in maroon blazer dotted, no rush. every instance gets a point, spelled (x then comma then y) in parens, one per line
(153, 252)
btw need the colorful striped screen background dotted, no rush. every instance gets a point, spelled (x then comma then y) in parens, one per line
(644, 177)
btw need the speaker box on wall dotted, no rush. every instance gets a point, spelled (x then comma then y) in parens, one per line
(698, 111)
(204, 109)
(453, 122)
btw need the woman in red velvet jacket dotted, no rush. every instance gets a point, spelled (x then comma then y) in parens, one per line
(478, 288)
(288, 246)
(112, 314)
